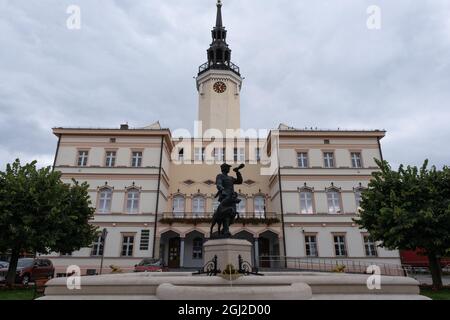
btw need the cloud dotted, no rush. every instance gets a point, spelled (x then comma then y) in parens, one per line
(306, 63)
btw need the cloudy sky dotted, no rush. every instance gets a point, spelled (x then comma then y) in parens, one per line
(306, 63)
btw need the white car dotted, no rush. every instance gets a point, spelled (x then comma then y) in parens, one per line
(3, 265)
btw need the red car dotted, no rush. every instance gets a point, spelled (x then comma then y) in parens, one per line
(150, 265)
(29, 269)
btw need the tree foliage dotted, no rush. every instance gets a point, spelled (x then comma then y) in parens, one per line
(409, 209)
(40, 213)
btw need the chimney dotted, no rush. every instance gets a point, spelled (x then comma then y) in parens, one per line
(124, 126)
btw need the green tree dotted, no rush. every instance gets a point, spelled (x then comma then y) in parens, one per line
(409, 209)
(40, 213)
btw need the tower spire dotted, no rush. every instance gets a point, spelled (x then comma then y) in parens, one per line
(219, 54)
(219, 15)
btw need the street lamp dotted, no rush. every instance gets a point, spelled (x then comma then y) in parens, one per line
(103, 242)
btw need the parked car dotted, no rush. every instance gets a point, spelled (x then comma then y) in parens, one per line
(150, 265)
(4, 264)
(29, 269)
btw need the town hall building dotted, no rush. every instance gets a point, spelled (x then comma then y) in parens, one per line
(154, 193)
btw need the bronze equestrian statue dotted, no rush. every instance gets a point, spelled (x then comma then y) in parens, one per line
(226, 213)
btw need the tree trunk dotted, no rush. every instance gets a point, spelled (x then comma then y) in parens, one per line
(11, 277)
(436, 271)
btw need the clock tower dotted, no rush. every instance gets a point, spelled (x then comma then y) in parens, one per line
(219, 84)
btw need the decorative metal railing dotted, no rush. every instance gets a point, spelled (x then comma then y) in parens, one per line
(349, 265)
(210, 268)
(246, 268)
(225, 66)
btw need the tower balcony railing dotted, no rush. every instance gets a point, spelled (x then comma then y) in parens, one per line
(220, 66)
(206, 217)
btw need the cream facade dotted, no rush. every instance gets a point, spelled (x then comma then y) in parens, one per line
(155, 194)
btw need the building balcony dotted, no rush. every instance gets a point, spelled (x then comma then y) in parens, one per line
(254, 218)
(219, 66)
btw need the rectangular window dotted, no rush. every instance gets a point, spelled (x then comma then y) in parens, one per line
(83, 158)
(239, 154)
(110, 158)
(198, 206)
(215, 205)
(328, 158)
(178, 207)
(127, 246)
(311, 246)
(259, 205)
(219, 154)
(197, 248)
(97, 247)
(181, 154)
(136, 159)
(145, 240)
(302, 159)
(241, 206)
(306, 202)
(258, 154)
(334, 202)
(104, 203)
(356, 160)
(358, 198)
(133, 201)
(339, 246)
(199, 154)
(370, 246)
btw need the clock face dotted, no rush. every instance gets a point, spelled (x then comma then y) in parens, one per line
(220, 87)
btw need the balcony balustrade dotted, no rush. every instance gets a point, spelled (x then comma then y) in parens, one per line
(206, 217)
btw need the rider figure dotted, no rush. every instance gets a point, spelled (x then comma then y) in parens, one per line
(225, 186)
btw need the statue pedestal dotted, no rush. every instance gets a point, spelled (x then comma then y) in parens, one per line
(227, 252)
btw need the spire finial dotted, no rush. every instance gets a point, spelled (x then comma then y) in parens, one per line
(219, 14)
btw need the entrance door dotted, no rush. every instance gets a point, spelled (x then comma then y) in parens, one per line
(174, 253)
(264, 252)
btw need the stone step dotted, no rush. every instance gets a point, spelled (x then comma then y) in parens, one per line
(148, 284)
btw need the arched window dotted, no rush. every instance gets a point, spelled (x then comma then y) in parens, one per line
(241, 207)
(198, 206)
(334, 201)
(178, 206)
(306, 201)
(104, 201)
(197, 248)
(260, 209)
(133, 196)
